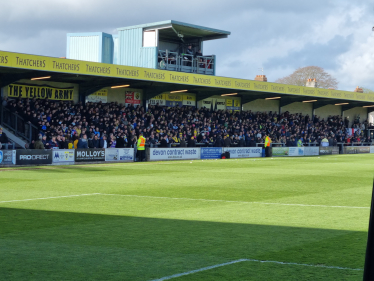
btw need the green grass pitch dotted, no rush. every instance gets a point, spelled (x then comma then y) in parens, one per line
(285, 218)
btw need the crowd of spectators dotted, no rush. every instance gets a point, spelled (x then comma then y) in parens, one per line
(104, 125)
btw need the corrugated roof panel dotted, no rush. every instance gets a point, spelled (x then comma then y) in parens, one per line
(85, 48)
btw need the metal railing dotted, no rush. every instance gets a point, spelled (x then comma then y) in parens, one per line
(18, 125)
(272, 144)
(311, 144)
(175, 144)
(11, 145)
(205, 64)
(284, 145)
(361, 143)
(168, 60)
(186, 63)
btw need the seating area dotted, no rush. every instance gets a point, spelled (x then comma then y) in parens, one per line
(189, 63)
(180, 125)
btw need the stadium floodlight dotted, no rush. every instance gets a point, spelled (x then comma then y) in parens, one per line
(180, 91)
(343, 103)
(40, 78)
(232, 94)
(120, 86)
(309, 100)
(368, 106)
(274, 98)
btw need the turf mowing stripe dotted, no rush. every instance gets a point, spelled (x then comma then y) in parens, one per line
(56, 197)
(252, 260)
(228, 201)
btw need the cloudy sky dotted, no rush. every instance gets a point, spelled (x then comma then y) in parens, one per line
(279, 36)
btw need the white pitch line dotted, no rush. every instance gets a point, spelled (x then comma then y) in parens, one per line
(197, 270)
(252, 260)
(228, 201)
(308, 265)
(45, 198)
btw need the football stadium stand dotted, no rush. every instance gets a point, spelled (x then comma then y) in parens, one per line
(154, 78)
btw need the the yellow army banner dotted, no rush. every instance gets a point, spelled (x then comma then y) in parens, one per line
(40, 92)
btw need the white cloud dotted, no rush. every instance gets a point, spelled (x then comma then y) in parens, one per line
(251, 59)
(357, 65)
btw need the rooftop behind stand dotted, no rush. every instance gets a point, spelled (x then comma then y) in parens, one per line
(160, 45)
(163, 45)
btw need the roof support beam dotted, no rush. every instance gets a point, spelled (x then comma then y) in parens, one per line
(202, 94)
(180, 35)
(352, 105)
(322, 103)
(286, 100)
(6, 79)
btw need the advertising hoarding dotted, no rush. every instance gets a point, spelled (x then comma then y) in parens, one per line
(132, 98)
(243, 152)
(160, 100)
(52, 64)
(210, 152)
(99, 96)
(356, 149)
(189, 99)
(119, 154)
(214, 103)
(349, 150)
(329, 150)
(7, 157)
(362, 149)
(311, 150)
(63, 156)
(90, 155)
(280, 151)
(174, 153)
(325, 150)
(174, 99)
(296, 151)
(33, 156)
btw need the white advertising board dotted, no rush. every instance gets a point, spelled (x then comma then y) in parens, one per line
(244, 152)
(311, 150)
(296, 151)
(372, 149)
(7, 157)
(63, 156)
(119, 154)
(174, 153)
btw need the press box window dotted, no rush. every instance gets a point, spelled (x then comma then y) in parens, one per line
(149, 38)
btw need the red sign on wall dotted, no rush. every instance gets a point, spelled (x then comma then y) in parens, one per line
(132, 98)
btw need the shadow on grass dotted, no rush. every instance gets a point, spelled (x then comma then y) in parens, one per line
(47, 245)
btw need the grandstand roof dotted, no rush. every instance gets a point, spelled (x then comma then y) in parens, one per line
(92, 77)
(172, 30)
